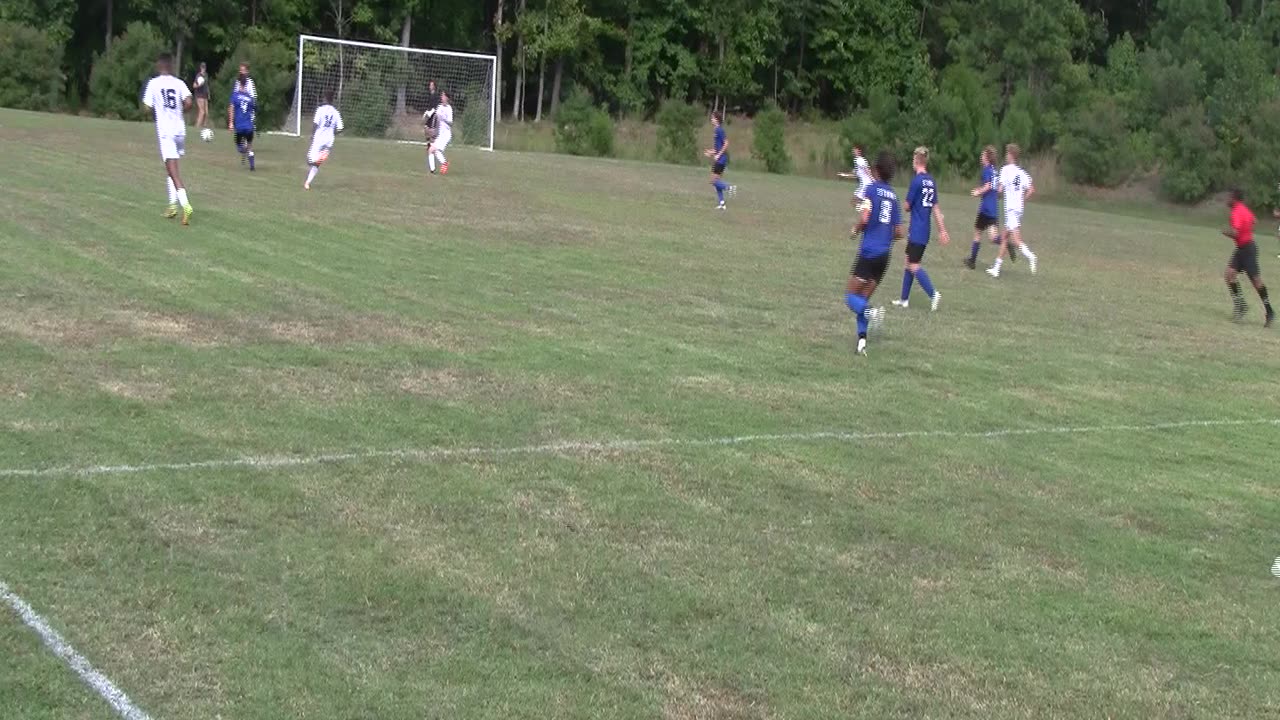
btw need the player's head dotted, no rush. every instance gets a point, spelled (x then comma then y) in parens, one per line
(989, 155)
(203, 68)
(326, 97)
(244, 71)
(717, 118)
(164, 63)
(1011, 153)
(885, 166)
(431, 86)
(857, 150)
(444, 98)
(920, 159)
(1235, 197)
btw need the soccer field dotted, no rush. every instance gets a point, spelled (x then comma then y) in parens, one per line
(551, 438)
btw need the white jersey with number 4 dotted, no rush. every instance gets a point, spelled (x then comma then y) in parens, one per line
(444, 126)
(165, 94)
(1014, 183)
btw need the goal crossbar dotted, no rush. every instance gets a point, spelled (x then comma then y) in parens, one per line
(381, 89)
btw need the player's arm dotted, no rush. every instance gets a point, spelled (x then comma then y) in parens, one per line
(942, 225)
(186, 96)
(1031, 189)
(231, 113)
(983, 190)
(864, 217)
(723, 149)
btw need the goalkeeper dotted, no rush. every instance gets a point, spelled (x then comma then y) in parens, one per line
(429, 117)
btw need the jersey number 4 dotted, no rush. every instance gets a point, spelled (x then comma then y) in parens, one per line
(170, 98)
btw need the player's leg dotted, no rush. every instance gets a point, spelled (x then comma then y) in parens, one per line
(980, 225)
(440, 144)
(716, 171)
(908, 279)
(431, 157)
(864, 277)
(248, 149)
(915, 259)
(175, 175)
(315, 158)
(1253, 270)
(202, 112)
(1021, 245)
(1231, 276)
(1003, 246)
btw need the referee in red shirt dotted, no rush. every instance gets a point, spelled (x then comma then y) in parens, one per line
(1245, 258)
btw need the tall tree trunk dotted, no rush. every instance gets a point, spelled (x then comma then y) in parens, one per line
(517, 99)
(110, 10)
(404, 42)
(555, 85)
(253, 13)
(542, 83)
(497, 38)
(177, 57)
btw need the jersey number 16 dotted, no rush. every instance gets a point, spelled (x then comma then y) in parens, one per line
(170, 98)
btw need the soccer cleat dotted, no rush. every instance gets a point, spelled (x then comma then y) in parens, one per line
(444, 168)
(306, 186)
(733, 190)
(971, 264)
(1275, 569)
(993, 272)
(862, 350)
(904, 304)
(722, 206)
(1271, 318)
(186, 214)
(933, 304)
(1238, 313)
(172, 211)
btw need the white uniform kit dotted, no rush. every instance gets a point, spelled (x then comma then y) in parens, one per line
(1014, 183)
(861, 167)
(165, 94)
(327, 122)
(444, 133)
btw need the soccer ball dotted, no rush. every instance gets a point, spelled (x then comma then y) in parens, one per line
(206, 135)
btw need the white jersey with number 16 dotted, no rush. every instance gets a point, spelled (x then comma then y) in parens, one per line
(165, 94)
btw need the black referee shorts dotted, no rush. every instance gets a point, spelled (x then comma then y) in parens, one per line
(1245, 260)
(870, 268)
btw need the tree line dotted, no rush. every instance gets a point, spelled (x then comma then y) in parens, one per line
(1182, 91)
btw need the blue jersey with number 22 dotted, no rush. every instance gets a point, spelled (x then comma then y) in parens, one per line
(922, 196)
(886, 216)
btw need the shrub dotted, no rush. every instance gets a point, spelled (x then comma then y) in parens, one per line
(367, 103)
(1018, 125)
(30, 74)
(273, 67)
(582, 128)
(678, 124)
(770, 141)
(1096, 148)
(120, 74)
(1261, 169)
(471, 114)
(1192, 159)
(859, 129)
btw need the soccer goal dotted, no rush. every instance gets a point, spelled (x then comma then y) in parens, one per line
(381, 90)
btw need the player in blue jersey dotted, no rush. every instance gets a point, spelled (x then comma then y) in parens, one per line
(880, 224)
(240, 111)
(922, 203)
(988, 206)
(719, 156)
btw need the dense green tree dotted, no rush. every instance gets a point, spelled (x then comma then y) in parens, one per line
(30, 68)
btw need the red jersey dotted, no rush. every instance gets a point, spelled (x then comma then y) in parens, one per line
(1242, 221)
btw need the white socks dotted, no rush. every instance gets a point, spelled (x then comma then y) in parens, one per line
(1027, 251)
(999, 262)
(311, 174)
(173, 191)
(431, 161)
(440, 157)
(182, 197)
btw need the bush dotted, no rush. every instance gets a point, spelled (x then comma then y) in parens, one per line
(120, 74)
(678, 124)
(1096, 148)
(30, 74)
(471, 110)
(367, 103)
(860, 129)
(770, 141)
(582, 128)
(1261, 169)
(1192, 159)
(273, 67)
(1018, 125)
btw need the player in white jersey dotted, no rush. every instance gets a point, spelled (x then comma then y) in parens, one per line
(1015, 185)
(327, 122)
(168, 97)
(444, 133)
(863, 171)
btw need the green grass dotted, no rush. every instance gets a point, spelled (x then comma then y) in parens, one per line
(530, 299)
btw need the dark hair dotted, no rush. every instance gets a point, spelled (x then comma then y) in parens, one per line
(326, 97)
(164, 58)
(718, 116)
(885, 166)
(859, 147)
(989, 153)
(1237, 195)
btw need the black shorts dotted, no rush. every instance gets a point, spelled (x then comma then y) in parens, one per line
(717, 168)
(870, 268)
(983, 221)
(244, 137)
(1245, 260)
(915, 252)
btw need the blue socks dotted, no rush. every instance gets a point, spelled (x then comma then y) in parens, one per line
(973, 251)
(720, 187)
(907, 279)
(858, 305)
(925, 283)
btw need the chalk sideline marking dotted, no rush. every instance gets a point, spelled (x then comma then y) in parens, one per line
(114, 696)
(586, 447)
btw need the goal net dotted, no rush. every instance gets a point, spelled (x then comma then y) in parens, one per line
(381, 90)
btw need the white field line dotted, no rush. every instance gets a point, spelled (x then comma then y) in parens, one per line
(114, 696)
(587, 447)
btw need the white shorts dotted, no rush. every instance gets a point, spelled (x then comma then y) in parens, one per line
(441, 141)
(318, 153)
(172, 147)
(1012, 219)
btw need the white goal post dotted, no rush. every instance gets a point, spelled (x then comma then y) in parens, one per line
(381, 90)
